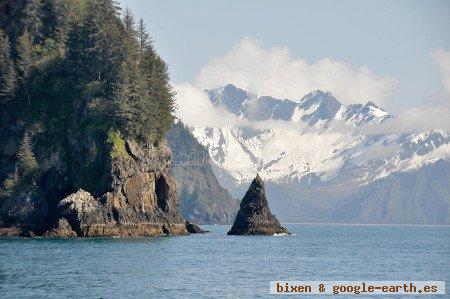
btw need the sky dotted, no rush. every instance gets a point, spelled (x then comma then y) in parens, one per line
(394, 53)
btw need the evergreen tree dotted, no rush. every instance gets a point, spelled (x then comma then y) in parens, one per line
(25, 62)
(94, 58)
(160, 106)
(132, 95)
(7, 71)
(11, 21)
(32, 20)
(160, 92)
(126, 99)
(77, 65)
(129, 25)
(55, 15)
(95, 43)
(26, 160)
(59, 16)
(144, 39)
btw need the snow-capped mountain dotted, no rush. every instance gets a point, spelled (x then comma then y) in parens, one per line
(316, 143)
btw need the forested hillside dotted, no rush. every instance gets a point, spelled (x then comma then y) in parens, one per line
(78, 78)
(58, 56)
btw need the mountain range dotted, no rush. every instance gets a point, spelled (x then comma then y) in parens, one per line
(324, 161)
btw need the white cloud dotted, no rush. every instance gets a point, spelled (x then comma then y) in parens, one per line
(277, 73)
(442, 59)
(414, 120)
(435, 116)
(280, 126)
(377, 151)
(195, 109)
(274, 72)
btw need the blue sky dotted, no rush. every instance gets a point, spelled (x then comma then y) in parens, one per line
(391, 38)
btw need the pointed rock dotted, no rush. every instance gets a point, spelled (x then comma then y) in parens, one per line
(194, 228)
(254, 216)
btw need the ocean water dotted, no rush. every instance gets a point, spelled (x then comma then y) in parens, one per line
(216, 265)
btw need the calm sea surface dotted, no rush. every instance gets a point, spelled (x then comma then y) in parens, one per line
(216, 265)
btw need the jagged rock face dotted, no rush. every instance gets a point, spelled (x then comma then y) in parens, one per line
(133, 195)
(143, 200)
(254, 216)
(27, 211)
(62, 229)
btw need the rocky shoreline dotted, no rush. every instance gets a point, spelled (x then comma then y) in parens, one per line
(142, 201)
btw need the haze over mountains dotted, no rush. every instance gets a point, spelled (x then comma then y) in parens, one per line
(325, 161)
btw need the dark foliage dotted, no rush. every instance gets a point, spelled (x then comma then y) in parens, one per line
(80, 64)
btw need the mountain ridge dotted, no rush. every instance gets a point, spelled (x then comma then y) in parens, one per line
(317, 140)
(315, 106)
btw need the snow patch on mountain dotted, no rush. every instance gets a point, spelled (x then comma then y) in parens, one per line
(349, 157)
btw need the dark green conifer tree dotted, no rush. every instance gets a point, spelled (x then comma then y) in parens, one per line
(55, 17)
(7, 71)
(32, 20)
(25, 62)
(161, 105)
(77, 67)
(143, 38)
(26, 160)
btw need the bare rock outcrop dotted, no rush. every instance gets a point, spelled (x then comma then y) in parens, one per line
(254, 216)
(143, 199)
(24, 211)
(194, 228)
(134, 195)
(62, 229)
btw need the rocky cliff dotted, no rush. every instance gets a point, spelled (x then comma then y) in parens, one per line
(139, 199)
(142, 200)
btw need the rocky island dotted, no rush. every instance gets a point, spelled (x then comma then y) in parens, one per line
(86, 103)
(254, 216)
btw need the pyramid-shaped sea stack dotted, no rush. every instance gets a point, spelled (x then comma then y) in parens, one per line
(254, 216)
